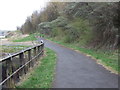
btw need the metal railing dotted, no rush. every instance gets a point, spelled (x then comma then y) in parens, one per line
(17, 65)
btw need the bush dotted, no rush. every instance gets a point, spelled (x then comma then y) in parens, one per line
(59, 22)
(78, 31)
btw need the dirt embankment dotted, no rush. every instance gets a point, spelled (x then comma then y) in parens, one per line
(12, 36)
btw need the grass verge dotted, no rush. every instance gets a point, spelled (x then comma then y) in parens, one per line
(107, 58)
(31, 37)
(42, 76)
(12, 49)
(28, 38)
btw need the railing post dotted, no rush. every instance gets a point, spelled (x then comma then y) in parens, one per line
(8, 66)
(29, 57)
(38, 49)
(42, 49)
(4, 73)
(35, 53)
(26, 60)
(32, 62)
(22, 62)
(9, 71)
(17, 77)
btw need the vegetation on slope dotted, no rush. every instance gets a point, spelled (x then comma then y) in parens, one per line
(6, 50)
(24, 39)
(31, 37)
(101, 17)
(12, 49)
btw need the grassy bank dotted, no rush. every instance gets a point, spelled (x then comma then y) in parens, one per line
(12, 49)
(42, 76)
(107, 58)
(31, 37)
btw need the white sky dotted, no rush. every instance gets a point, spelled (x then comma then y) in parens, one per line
(14, 12)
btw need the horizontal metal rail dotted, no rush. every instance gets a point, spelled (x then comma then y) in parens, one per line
(10, 76)
(16, 54)
(19, 69)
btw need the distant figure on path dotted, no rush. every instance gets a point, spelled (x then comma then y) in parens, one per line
(41, 41)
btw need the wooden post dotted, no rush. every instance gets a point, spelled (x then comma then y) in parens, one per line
(14, 68)
(22, 62)
(29, 57)
(42, 49)
(38, 51)
(35, 53)
(8, 67)
(26, 60)
(4, 74)
(32, 62)
(9, 71)
(17, 77)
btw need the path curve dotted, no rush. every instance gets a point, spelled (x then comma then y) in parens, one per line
(75, 70)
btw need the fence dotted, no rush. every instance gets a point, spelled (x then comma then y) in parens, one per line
(17, 65)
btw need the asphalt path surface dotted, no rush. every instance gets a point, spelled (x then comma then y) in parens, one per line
(75, 70)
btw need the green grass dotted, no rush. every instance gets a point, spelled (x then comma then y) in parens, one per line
(31, 37)
(12, 49)
(43, 75)
(108, 58)
(28, 38)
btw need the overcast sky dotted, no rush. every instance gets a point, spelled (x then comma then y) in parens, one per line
(14, 12)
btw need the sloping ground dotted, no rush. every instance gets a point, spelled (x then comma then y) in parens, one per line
(74, 70)
(8, 42)
(42, 75)
(8, 47)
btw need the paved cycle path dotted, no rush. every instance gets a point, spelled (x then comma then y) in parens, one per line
(75, 70)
